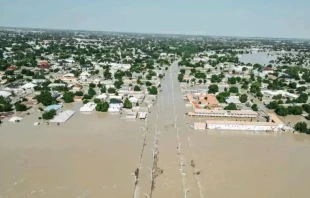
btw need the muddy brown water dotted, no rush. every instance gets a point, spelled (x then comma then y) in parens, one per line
(96, 155)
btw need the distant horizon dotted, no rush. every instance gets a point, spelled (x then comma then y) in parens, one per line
(154, 33)
(235, 18)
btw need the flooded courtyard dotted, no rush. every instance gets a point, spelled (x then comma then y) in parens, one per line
(101, 155)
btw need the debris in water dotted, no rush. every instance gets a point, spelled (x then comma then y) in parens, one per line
(193, 163)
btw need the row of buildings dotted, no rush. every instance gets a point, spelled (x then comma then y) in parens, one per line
(273, 124)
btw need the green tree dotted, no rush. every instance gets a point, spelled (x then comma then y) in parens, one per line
(118, 83)
(48, 115)
(92, 85)
(45, 97)
(68, 97)
(301, 127)
(148, 83)
(91, 92)
(294, 110)
(111, 90)
(137, 88)
(245, 86)
(20, 107)
(213, 88)
(180, 77)
(292, 85)
(243, 98)
(255, 87)
(233, 90)
(153, 90)
(103, 89)
(272, 105)
(127, 104)
(102, 106)
(232, 80)
(306, 108)
(303, 98)
(231, 106)
(254, 107)
(97, 100)
(281, 111)
(221, 97)
(79, 93)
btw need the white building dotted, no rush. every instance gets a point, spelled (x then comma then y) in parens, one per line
(224, 113)
(119, 66)
(57, 85)
(36, 81)
(68, 75)
(270, 93)
(5, 94)
(28, 86)
(88, 107)
(274, 124)
(63, 116)
(115, 107)
(133, 100)
(102, 96)
(233, 99)
(84, 75)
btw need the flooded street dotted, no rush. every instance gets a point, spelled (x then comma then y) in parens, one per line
(99, 155)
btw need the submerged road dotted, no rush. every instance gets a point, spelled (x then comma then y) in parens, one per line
(168, 167)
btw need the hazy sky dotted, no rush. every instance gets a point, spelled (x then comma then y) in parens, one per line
(268, 18)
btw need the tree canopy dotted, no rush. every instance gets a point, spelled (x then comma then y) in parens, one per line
(45, 97)
(127, 104)
(102, 106)
(213, 88)
(231, 106)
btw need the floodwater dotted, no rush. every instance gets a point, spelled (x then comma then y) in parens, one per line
(100, 155)
(262, 58)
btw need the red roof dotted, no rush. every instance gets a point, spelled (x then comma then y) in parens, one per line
(268, 69)
(11, 68)
(44, 65)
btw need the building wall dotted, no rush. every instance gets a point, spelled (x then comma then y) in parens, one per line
(242, 127)
(226, 115)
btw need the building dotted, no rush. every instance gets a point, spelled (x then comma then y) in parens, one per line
(68, 79)
(28, 86)
(88, 107)
(190, 98)
(233, 99)
(142, 115)
(11, 68)
(84, 75)
(5, 94)
(133, 100)
(44, 65)
(56, 85)
(68, 75)
(208, 99)
(102, 97)
(273, 124)
(271, 94)
(78, 98)
(36, 81)
(77, 87)
(199, 125)
(115, 107)
(63, 116)
(224, 113)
